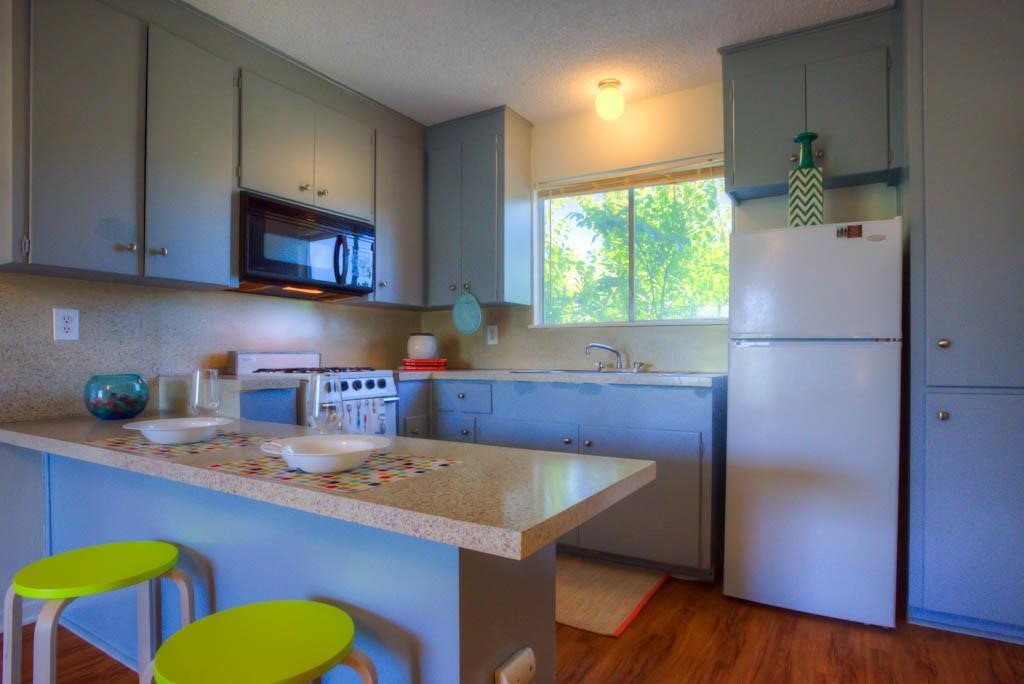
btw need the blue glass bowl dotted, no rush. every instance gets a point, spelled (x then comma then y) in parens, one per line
(116, 397)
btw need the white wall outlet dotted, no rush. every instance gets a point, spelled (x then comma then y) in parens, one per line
(519, 669)
(492, 334)
(65, 324)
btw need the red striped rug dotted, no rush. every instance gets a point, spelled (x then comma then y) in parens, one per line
(602, 597)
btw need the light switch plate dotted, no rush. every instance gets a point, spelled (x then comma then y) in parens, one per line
(65, 324)
(492, 334)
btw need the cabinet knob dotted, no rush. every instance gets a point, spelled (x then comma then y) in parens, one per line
(820, 154)
(793, 158)
(160, 251)
(304, 187)
(944, 343)
(461, 395)
(943, 415)
(452, 287)
(383, 283)
(414, 432)
(322, 192)
(464, 432)
(465, 286)
(588, 442)
(130, 247)
(567, 440)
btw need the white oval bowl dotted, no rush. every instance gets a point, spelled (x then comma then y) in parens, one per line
(326, 453)
(179, 430)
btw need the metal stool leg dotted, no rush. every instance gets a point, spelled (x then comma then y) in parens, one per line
(12, 637)
(147, 596)
(186, 596)
(147, 673)
(44, 648)
(361, 663)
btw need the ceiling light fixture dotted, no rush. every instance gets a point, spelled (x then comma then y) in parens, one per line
(609, 102)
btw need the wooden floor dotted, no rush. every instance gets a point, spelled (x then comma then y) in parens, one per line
(691, 633)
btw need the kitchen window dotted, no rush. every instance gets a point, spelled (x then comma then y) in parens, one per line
(625, 251)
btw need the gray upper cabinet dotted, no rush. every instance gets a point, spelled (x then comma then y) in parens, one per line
(848, 106)
(833, 80)
(972, 170)
(478, 208)
(399, 246)
(662, 521)
(344, 164)
(297, 149)
(278, 140)
(88, 80)
(190, 162)
(768, 112)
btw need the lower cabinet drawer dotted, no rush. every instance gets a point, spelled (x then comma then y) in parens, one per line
(416, 426)
(455, 427)
(464, 397)
(528, 434)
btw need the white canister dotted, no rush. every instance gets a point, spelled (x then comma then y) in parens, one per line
(422, 346)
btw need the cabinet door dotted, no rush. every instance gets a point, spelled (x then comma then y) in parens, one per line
(528, 434)
(973, 166)
(399, 215)
(481, 154)
(278, 140)
(88, 136)
(973, 508)
(444, 222)
(190, 162)
(661, 521)
(848, 107)
(344, 164)
(768, 110)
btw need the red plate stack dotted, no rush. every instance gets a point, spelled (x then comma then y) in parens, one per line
(424, 364)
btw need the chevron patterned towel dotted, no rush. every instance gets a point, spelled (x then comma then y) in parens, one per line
(806, 197)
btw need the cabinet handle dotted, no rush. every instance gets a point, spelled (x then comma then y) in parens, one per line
(588, 442)
(304, 187)
(567, 440)
(820, 154)
(383, 283)
(451, 287)
(414, 432)
(943, 343)
(130, 247)
(464, 432)
(461, 395)
(943, 415)
(322, 192)
(465, 286)
(160, 251)
(792, 158)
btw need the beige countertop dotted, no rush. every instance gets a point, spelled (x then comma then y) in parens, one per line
(499, 501)
(605, 378)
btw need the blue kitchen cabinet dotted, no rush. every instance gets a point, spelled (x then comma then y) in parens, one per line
(528, 434)
(414, 408)
(455, 427)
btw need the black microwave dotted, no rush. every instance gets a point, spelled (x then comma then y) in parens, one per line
(295, 251)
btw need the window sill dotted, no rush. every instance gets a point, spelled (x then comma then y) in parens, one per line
(636, 324)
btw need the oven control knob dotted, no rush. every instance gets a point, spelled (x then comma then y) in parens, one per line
(357, 384)
(382, 383)
(344, 385)
(327, 387)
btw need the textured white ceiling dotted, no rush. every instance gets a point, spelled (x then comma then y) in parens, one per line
(437, 59)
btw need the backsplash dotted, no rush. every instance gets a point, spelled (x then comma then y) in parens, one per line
(701, 348)
(153, 331)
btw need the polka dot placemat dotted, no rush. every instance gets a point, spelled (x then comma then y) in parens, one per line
(135, 443)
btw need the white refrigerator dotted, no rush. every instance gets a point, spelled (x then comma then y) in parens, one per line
(813, 448)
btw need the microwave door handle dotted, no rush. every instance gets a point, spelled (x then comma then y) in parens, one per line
(340, 262)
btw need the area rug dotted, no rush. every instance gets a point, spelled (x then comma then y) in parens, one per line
(601, 597)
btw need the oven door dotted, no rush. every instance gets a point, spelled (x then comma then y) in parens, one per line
(289, 245)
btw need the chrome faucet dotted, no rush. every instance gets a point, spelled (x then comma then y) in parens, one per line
(613, 350)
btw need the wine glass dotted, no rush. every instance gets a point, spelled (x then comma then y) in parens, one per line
(204, 392)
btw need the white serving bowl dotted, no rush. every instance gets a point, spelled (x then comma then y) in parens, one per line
(326, 453)
(179, 430)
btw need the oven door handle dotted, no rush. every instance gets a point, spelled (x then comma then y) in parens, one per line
(389, 400)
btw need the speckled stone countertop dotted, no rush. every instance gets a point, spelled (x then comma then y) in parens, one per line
(605, 378)
(499, 501)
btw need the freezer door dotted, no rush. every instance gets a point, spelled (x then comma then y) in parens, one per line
(819, 282)
(812, 476)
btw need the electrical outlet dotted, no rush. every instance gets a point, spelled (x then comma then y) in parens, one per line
(492, 334)
(65, 324)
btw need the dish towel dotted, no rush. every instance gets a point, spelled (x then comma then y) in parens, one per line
(364, 417)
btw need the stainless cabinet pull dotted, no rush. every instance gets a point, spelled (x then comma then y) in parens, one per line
(464, 431)
(943, 415)
(322, 192)
(820, 154)
(461, 395)
(588, 442)
(414, 432)
(160, 251)
(792, 158)
(130, 247)
(451, 287)
(383, 283)
(567, 440)
(944, 343)
(304, 187)
(465, 286)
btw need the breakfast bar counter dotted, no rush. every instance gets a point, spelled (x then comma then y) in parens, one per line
(447, 569)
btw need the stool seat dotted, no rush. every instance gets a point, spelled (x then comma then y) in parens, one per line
(95, 569)
(258, 643)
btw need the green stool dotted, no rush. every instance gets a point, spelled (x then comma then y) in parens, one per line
(62, 578)
(277, 642)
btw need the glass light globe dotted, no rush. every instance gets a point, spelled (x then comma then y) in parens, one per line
(609, 103)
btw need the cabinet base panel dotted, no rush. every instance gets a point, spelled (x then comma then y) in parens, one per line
(678, 571)
(964, 625)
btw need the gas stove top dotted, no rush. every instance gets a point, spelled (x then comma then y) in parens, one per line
(321, 369)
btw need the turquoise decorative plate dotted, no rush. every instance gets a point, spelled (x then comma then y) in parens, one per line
(466, 313)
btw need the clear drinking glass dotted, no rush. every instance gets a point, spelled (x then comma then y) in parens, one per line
(204, 392)
(325, 418)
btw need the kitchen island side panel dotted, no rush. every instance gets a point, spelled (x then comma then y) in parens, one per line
(402, 592)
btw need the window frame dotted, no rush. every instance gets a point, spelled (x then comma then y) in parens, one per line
(538, 270)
